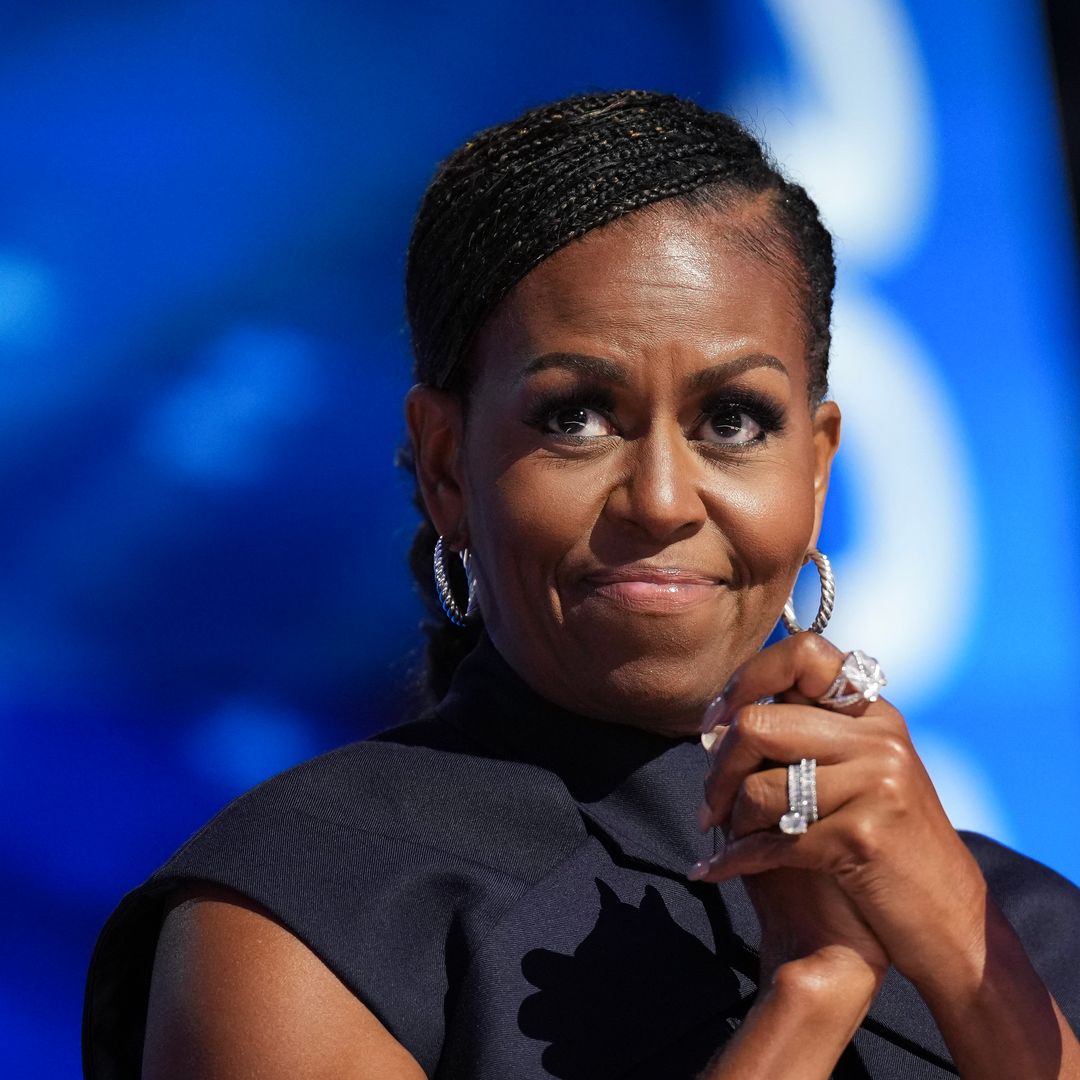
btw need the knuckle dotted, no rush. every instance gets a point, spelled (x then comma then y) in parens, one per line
(754, 720)
(863, 841)
(815, 647)
(890, 788)
(849, 871)
(897, 756)
(897, 746)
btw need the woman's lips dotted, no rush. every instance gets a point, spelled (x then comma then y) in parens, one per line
(655, 591)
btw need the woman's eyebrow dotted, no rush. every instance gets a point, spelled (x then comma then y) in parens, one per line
(595, 366)
(719, 374)
(609, 371)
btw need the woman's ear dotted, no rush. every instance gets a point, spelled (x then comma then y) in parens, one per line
(435, 422)
(826, 428)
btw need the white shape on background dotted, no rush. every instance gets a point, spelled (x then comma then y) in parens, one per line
(906, 586)
(965, 791)
(855, 128)
(854, 124)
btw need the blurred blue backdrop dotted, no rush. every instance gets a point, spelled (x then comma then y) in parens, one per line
(203, 218)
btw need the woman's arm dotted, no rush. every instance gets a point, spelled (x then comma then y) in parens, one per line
(234, 994)
(804, 1016)
(821, 967)
(996, 1017)
(995, 1014)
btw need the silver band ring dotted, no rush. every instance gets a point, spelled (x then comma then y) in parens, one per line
(802, 798)
(860, 679)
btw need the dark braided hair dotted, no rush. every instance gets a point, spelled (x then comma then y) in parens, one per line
(517, 193)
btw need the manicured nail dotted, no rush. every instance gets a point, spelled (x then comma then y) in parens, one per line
(708, 721)
(698, 871)
(711, 739)
(716, 713)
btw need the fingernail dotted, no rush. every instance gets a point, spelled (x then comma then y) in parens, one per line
(704, 817)
(698, 871)
(708, 723)
(716, 713)
(711, 740)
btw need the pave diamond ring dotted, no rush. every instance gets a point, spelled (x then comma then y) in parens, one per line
(802, 797)
(860, 679)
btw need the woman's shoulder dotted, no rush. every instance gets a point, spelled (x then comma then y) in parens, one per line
(338, 835)
(374, 855)
(1019, 883)
(423, 785)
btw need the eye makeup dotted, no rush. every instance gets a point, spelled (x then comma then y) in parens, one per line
(761, 408)
(597, 398)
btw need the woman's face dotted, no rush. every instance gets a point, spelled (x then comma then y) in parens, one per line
(640, 475)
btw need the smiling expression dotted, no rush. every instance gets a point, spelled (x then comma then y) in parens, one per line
(639, 472)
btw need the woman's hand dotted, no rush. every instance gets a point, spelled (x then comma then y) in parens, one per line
(882, 874)
(883, 837)
(821, 968)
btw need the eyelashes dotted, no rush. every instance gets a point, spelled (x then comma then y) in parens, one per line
(572, 408)
(768, 414)
(581, 399)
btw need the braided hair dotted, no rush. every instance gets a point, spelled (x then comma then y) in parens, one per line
(518, 192)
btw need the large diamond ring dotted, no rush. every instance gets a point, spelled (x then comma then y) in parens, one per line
(802, 797)
(860, 679)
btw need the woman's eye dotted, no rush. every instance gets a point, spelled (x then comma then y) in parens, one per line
(730, 426)
(578, 421)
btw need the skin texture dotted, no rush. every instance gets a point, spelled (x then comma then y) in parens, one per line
(634, 544)
(236, 996)
(655, 302)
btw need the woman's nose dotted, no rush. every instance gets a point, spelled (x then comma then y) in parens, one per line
(659, 486)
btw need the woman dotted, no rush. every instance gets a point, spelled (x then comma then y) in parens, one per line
(620, 315)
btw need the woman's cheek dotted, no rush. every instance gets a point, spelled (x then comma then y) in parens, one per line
(533, 516)
(769, 525)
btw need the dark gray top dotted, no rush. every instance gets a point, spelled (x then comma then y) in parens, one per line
(503, 884)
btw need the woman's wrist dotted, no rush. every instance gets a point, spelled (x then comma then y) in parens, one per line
(806, 1013)
(833, 987)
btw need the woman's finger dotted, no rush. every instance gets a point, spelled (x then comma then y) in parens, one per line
(805, 665)
(761, 734)
(829, 846)
(762, 798)
(757, 853)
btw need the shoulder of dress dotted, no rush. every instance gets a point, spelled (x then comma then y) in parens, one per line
(1042, 905)
(1008, 870)
(398, 798)
(1044, 909)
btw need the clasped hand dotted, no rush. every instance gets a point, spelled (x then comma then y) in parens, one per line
(882, 877)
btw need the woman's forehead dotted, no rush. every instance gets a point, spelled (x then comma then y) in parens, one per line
(675, 277)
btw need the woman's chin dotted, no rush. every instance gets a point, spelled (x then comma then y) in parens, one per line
(654, 673)
(658, 693)
(660, 668)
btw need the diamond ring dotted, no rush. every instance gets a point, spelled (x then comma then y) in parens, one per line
(802, 797)
(860, 679)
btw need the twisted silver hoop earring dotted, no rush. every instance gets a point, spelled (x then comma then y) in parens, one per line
(442, 586)
(825, 605)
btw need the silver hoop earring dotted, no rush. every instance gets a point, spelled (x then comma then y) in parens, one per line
(825, 605)
(442, 586)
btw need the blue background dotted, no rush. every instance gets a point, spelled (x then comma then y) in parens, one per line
(203, 214)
